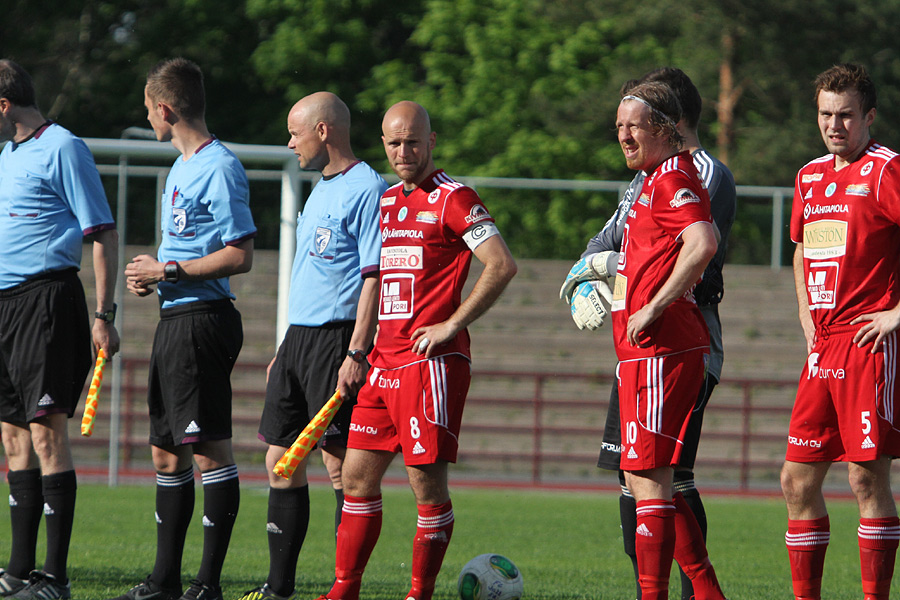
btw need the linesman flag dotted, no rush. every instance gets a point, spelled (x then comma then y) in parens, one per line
(90, 404)
(311, 434)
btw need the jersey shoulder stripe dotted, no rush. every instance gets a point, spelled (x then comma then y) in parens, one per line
(882, 152)
(705, 166)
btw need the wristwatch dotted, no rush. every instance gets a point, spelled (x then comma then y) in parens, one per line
(357, 355)
(107, 316)
(170, 272)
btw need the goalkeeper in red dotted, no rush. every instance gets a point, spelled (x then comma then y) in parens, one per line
(846, 224)
(412, 402)
(661, 339)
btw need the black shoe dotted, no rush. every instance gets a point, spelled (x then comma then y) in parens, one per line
(10, 584)
(264, 592)
(198, 590)
(147, 590)
(43, 586)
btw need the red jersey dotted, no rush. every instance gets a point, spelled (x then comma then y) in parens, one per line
(424, 264)
(672, 199)
(847, 221)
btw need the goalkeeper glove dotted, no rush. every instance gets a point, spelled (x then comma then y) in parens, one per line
(591, 304)
(589, 268)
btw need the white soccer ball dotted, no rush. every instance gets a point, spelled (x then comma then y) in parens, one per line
(490, 577)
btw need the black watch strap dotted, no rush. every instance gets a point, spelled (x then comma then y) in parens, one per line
(357, 355)
(107, 316)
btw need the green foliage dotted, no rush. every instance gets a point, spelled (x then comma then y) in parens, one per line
(567, 545)
(515, 88)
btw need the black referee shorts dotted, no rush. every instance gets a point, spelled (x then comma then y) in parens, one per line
(303, 378)
(45, 347)
(194, 351)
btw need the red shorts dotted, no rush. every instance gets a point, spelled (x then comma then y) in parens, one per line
(416, 409)
(846, 402)
(656, 397)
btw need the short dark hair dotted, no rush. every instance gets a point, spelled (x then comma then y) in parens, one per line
(665, 110)
(848, 76)
(681, 84)
(16, 85)
(179, 83)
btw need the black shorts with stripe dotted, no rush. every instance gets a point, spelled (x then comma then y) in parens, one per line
(194, 351)
(45, 347)
(302, 379)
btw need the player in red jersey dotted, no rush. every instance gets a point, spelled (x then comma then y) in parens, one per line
(661, 339)
(846, 224)
(413, 399)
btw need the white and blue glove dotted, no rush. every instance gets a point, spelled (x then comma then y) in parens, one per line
(590, 268)
(591, 304)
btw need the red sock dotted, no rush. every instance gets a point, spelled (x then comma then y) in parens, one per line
(654, 544)
(807, 541)
(357, 535)
(691, 554)
(433, 531)
(878, 540)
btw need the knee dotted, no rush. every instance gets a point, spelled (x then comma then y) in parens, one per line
(796, 488)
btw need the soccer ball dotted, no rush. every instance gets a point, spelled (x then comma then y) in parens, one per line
(490, 577)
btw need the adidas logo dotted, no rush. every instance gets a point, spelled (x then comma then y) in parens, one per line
(207, 522)
(867, 443)
(192, 428)
(12, 501)
(632, 454)
(642, 530)
(273, 528)
(418, 449)
(47, 510)
(158, 520)
(45, 401)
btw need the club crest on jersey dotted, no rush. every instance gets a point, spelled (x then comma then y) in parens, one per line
(426, 216)
(811, 177)
(402, 214)
(323, 236)
(682, 197)
(866, 168)
(389, 201)
(829, 191)
(179, 218)
(477, 213)
(434, 196)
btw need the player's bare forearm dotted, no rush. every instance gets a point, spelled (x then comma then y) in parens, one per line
(698, 248)
(499, 269)
(351, 375)
(806, 322)
(105, 252)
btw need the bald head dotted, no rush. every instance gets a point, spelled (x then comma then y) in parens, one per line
(407, 116)
(408, 142)
(322, 107)
(319, 125)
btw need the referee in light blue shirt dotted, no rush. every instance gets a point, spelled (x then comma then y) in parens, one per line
(50, 198)
(333, 314)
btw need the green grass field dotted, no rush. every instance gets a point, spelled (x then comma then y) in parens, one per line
(567, 544)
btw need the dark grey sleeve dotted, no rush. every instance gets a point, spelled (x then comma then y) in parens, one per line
(610, 237)
(719, 183)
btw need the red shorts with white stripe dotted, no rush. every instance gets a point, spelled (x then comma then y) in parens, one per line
(416, 409)
(656, 398)
(846, 401)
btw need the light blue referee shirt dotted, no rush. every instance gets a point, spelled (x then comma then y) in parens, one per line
(206, 206)
(50, 198)
(338, 241)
